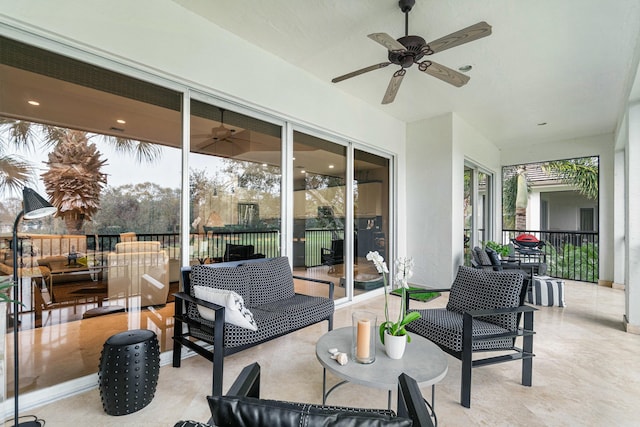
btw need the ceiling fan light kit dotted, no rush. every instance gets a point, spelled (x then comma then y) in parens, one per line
(409, 50)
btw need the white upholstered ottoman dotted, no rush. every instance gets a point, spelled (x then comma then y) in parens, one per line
(547, 291)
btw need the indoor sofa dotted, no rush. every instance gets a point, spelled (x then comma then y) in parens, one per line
(237, 305)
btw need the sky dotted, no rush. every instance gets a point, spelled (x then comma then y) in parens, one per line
(123, 168)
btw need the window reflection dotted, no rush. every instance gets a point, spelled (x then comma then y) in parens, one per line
(235, 185)
(371, 217)
(319, 177)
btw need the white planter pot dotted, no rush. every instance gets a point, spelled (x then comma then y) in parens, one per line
(394, 345)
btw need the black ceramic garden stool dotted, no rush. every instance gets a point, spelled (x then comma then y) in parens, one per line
(129, 368)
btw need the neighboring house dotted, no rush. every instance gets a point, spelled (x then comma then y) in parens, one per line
(556, 206)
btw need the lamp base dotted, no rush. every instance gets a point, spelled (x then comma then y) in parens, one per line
(30, 424)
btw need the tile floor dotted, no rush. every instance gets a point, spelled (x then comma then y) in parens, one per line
(586, 372)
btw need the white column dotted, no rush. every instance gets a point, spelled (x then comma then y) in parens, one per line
(619, 215)
(632, 242)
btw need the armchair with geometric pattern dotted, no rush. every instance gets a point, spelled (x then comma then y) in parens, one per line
(483, 314)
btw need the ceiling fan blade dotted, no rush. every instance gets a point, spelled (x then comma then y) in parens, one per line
(466, 35)
(201, 135)
(387, 41)
(207, 143)
(443, 73)
(361, 71)
(243, 135)
(394, 85)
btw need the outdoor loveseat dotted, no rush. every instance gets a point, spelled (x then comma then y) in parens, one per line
(237, 305)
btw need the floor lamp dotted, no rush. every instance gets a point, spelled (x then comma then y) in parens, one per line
(33, 207)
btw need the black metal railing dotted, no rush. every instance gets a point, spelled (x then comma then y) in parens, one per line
(569, 254)
(211, 244)
(315, 240)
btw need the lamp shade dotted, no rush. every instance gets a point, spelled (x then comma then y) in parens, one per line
(35, 206)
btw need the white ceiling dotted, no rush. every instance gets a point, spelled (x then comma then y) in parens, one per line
(569, 63)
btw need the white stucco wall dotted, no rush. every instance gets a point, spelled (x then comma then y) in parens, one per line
(632, 226)
(436, 152)
(430, 215)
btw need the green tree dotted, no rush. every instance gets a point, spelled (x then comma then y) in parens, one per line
(142, 208)
(581, 173)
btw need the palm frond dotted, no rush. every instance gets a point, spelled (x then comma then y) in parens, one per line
(145, 152)
(18, 133)
(15, 174)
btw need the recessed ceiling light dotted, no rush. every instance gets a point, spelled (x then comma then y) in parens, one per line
(293, 158)
(303, 171)
(542, 124)
(465, 68)
(32, 102)
(330, 166)
(121, 121)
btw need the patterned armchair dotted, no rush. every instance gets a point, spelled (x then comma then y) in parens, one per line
(483, 314)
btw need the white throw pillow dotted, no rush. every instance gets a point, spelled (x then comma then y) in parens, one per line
(235, 311)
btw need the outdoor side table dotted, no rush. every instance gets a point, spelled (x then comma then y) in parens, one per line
(423, 361)
(129, 368)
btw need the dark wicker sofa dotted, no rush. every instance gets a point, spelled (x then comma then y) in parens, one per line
(261, 304)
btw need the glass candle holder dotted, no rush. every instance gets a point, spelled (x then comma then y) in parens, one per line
(363, 348)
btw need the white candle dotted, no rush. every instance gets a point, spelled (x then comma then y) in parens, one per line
(364, 339)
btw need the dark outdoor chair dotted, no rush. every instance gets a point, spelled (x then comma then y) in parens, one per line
(488, 259)
(238, 253)
(333, 256)
(483, 314)
(242, 406)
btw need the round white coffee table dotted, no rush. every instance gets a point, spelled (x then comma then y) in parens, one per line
(422, 360)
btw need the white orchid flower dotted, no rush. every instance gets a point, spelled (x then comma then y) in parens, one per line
(404, 270)
(378, 261)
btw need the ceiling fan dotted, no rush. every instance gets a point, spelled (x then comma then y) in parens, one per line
(218, 134)
(409, 50)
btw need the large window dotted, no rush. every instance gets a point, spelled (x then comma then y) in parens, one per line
(104, 148)
(107, 149)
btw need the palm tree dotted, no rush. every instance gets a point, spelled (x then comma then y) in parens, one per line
(522, 199)
(74, 179)
(15, 173)
(581, 173)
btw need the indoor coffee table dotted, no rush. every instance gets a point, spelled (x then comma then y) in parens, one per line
(422, 360)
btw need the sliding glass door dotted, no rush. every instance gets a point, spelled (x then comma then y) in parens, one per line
(370, 217)
(320, 245)
(235, 184)
(478, 213)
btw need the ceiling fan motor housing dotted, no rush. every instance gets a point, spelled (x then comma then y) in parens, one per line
(406, 5)
(415, 51)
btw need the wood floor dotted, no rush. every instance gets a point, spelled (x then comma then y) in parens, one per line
(586, 371)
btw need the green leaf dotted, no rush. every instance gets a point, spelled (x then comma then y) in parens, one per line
(383, 327)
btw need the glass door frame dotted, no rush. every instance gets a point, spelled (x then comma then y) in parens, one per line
(288, 208)
(488, 208)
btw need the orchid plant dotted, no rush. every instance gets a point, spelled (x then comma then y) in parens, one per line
(404, 270)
